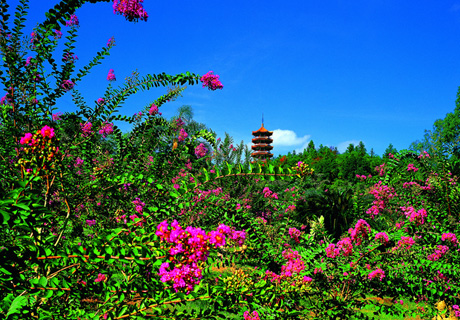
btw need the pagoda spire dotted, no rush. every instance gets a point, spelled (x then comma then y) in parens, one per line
(261, 143)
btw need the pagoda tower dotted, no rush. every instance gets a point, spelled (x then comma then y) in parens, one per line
(261, 143)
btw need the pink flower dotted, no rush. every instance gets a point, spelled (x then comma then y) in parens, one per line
(73, 21)
(100, 277)
(211, 81)
(111, 76)
(451, 237)
(182, 135)
(200, 151)
(57, 34)
(47, 132)
(247, 315)
(100, 101)
(27, 139)
(67, 85)
(106, 129)
(57, 116)
(383, 237)
(86, 128)
(111, 42)
(331, 251)
(132, 10)
(216, 238)
(153, 109)
(377, 273)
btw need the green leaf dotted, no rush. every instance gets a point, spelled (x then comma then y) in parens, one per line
(17, 305)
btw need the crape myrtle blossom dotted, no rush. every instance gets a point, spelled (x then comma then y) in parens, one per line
(410, 167)
(188, 247)
(182, 135)
(47, 132)
(383, 237)
(404, 243)
(132, 10)
(438, 253)
(111, 76)
(294, 233)
(248, 316)
(67, 85)
(450, 237)
(377, 273)
(361, 231)
(100, 277)
(200, 151)
(106, 129)
(153, 110)
(73, 21)
(86, 129)
(211, 81)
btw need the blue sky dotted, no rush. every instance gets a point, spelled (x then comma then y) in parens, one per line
(335, 72)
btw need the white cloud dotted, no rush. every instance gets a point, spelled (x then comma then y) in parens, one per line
(287, 138)
(342, 146)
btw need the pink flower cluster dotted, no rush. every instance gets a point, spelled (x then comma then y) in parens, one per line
(411, 167)
(405, 243)
(45, 132)
(381, 169)
(332, 251)
(111, 42)
(56, 116)
(269, 194)
(86, 129)
(451, 237)
(247, 315)
(293, 266)
(91, 223)
(67, 85)
(153, 110)
(111, 76)
(363, 177)
(361, 231)
(417, 216)
(345, 245)
(294, 234)
(424, 154)
(438, 253)
(182, 135)
(188, 247)
(73, 21)
(377, 273)
(211, 81)
(100, 277)
(57, 34)
(132, 10)
(382, 195)
(383, 237)
(200, 151)
(106, 129)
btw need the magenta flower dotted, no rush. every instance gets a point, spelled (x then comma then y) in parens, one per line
(47, 132)
(100, 101)
(450, 237)
(346, 246)
(211, 81)
(216, 238)
(57, 34)
(100, 277)
(67, 85)
(73, 21)
(383, 237)
(361, 231)
(57, 116)
(106, 129)
(111, 42)
(132, 10)
(28, 60)
(86, 128)
(182, 135)
(90, 223)
(200, 151)
(27, 139)
(153, 109)
(111, 76)
(377, 273)
(331, 251)
(247, 315)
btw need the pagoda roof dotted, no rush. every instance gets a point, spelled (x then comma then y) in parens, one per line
(262, 130)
